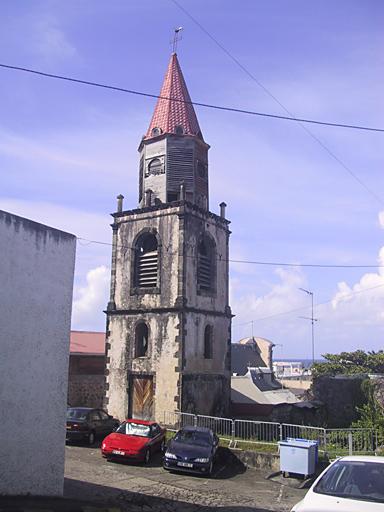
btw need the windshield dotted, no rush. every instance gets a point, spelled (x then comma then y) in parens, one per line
(357, 480)
(193, 437)
(76, 414)
(134, 429)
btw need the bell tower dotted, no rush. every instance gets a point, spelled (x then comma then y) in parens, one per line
(173, 151)
(168, 317)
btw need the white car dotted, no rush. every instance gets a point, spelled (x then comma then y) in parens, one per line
(349, 484)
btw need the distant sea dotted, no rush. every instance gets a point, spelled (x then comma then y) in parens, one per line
(306, 362)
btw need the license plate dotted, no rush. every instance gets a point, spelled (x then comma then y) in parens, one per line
(69, 427)
(185, 464)
(118, 452)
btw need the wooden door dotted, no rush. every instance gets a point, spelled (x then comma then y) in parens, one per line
(141, 403)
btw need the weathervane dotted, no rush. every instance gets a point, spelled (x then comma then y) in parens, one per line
(176, 38)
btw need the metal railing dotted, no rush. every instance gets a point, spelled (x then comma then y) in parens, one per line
(256, 431)
(336, 442)
(305, 432)
(221, 426)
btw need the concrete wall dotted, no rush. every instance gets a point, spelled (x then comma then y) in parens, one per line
(36, 276)
(341, 395)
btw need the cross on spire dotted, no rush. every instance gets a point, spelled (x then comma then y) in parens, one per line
(176, 38)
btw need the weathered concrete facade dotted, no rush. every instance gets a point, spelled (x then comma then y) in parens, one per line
(176, 314)
(168, 319)
(36, 276)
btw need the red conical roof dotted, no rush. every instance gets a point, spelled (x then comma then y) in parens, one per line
(171, 113)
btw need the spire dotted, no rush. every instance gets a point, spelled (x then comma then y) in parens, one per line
(174, 116)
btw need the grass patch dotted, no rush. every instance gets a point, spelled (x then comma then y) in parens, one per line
(242, 445)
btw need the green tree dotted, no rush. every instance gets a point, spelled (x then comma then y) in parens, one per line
(349, 363)
(372, 412)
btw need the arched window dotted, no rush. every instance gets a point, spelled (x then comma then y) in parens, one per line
(208, 345)
(141, 340)
(206, 265)
(155, 167)
(156, 131)
(146, 261)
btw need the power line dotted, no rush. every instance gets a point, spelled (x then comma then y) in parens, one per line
(205, 105)
(248, 262)
(306, 307)
(357, 292)
(291, 116)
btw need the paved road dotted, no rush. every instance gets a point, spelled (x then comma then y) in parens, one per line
(138, 488)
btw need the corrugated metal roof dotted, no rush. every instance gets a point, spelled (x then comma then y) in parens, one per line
(86, 342)
(243, 390)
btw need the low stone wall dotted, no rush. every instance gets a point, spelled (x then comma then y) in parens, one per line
(257, 460)
(236, 457)
(86, 390)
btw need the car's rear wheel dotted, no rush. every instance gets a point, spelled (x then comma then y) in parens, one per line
(147, 456)
(91, 438)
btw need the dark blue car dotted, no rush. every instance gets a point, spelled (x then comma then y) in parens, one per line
(192, 450)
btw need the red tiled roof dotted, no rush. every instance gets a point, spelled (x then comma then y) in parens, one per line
(85, 342)
(169, 113)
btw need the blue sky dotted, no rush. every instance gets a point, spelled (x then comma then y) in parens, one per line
(67, 151)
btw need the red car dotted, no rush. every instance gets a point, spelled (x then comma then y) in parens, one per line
(134, 439)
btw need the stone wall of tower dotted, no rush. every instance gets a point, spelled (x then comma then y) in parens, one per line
(156, 309)
(161, 363)
(176, 314)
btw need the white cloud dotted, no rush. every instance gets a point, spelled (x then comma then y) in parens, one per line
(91, 300)
(50, 41)
(78, 222)
(282, 296)
(363, 301)
(31, 150)
(352, 318)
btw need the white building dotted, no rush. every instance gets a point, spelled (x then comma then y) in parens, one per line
(36, 276)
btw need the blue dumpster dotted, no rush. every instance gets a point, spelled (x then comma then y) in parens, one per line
(298, 456)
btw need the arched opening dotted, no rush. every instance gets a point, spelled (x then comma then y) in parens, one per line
(141, 340)
(208, 345)
(155, 167)
(146, 261)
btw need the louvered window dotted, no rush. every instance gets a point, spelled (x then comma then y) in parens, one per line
(180, 168)
(146, 262)
(205, 266)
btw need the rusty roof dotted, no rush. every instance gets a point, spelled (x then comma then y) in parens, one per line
(87, 343)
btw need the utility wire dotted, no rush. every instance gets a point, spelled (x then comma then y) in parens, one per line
(248, 262)
(306, 307)
(269, 263)
(291, 116)
(206, 105)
